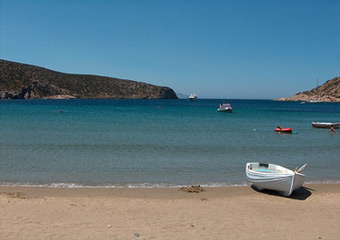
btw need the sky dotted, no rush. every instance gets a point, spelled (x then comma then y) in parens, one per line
(228, 49)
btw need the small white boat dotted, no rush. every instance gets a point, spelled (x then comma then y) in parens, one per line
(275, 177)
(192, 97)
(325, 125)
(225, 107)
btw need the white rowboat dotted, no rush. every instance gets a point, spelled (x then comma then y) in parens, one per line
(275, 177)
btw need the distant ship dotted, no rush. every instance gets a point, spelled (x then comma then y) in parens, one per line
(192, 97)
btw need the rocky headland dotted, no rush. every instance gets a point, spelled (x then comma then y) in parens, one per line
(328, 92)
(23, 81)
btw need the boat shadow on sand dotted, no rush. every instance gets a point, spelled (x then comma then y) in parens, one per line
(300, 194)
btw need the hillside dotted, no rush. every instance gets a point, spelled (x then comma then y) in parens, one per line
(22, 81)
(328, 92)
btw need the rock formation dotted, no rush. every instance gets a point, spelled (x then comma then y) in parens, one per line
(328, 92)
(22, 81)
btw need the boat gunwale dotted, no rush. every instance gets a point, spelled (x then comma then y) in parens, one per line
(325, 124)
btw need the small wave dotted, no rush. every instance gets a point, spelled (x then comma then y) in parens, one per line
(142, 185)
(119, 185)
(323, 182)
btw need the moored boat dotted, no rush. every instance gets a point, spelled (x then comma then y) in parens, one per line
(275, 177)
(325, 124)
(225, 107)
(192, 97)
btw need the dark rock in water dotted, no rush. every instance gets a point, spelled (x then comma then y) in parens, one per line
(22, 81)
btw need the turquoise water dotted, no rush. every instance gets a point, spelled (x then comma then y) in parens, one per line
(160, 143)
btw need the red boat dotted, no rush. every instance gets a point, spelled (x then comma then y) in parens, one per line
(283, 130)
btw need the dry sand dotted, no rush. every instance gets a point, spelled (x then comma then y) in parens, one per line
(313, 212)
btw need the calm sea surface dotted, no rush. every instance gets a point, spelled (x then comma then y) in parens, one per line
(160, 143)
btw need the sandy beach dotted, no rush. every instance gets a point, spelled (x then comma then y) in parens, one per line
(313, 212)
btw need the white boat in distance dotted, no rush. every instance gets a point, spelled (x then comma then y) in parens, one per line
(225, 107)
(325, 125)
(192, 97)
(275, 177)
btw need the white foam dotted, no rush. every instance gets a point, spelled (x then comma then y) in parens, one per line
(142, 185)
(119, 185)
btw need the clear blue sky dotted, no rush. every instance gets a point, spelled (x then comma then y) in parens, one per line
(260, 49)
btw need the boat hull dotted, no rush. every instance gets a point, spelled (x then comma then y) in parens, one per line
(230, 110)
(285, 181)
(325, 125)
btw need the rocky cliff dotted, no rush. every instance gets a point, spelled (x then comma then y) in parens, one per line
(328, 92)
(22, 81)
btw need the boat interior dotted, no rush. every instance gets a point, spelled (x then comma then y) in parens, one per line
(266, 167)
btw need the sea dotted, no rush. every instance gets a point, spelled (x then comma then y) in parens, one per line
(161, 143)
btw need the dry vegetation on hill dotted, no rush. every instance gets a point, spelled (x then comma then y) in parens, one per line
(328, 92)
(22, 81)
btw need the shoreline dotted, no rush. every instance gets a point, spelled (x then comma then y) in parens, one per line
(30, 192)
(241, 212)
(146, 185)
